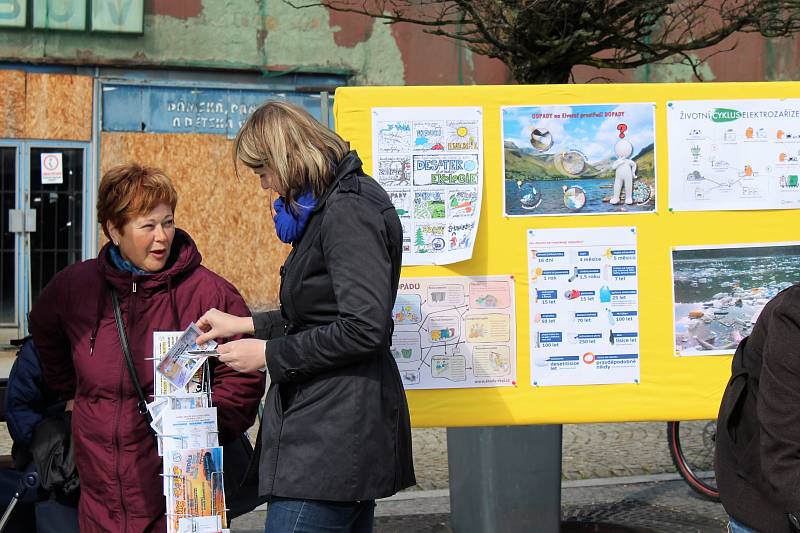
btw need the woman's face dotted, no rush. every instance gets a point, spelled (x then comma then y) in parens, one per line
(269, 179)
(145, 241)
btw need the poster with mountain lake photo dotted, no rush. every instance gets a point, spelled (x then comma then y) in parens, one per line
(579, 159)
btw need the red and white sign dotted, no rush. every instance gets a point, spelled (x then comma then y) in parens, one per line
(52, 169)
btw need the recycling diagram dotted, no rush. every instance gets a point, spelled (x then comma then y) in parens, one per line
(734, 154)
(455, 332)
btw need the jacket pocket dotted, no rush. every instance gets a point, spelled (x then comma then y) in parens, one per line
(732, 406)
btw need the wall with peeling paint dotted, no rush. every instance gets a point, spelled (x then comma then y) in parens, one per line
(266, 35)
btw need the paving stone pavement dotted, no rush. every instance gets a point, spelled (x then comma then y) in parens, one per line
(628, 449)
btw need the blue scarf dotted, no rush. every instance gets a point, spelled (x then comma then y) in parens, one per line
(123, 264)
(290, 223)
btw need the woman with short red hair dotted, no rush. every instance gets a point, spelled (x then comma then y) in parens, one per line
(155, 270)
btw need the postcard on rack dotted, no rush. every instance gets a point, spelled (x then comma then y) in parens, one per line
(189, 429)
(200, 524)
(195, 485)
(178, 366)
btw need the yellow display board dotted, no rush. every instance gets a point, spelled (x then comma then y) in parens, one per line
(670, 387)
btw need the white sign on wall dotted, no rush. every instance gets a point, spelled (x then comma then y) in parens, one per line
(52, 169)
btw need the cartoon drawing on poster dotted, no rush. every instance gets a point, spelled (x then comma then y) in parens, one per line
(462, 135)
(429, 204)
(394, 136)
(429, 238)
(429, 161)
(584, 306)
(459, 235)
(579, 159)
(719, 291)
(461, 202)
(394, 171)
(403, 201)
(455, 332)
(734, 154)
(428, 136)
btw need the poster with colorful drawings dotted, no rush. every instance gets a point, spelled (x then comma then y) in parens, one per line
(430, 161)
(734, 154)
(579, 159)
(455, 332)
(584, 306)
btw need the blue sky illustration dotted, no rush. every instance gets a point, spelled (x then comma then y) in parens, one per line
(594, 137)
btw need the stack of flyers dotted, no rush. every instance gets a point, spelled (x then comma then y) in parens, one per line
(195, 487)
(178, 366)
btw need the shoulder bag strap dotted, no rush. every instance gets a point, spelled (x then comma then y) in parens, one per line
(123, 340)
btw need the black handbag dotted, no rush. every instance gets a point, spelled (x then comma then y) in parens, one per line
(239, 460)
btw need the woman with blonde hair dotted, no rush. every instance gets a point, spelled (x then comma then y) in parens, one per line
(154, 270)
(335, 434)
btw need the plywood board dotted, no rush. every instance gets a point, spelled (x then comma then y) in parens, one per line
(12, 103)
(58, 107)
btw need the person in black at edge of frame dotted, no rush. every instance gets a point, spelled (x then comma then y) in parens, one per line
(757, 457)
(39, 426)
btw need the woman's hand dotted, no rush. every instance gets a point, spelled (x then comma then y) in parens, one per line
(244, 355)
(218, 325)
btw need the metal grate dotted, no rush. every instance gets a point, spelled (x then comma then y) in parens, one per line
(8, 179)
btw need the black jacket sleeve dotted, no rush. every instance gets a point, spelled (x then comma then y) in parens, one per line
(354, 243)
(268, 325)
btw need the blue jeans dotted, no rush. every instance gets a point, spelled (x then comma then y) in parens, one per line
(311, 516)
(738, 527)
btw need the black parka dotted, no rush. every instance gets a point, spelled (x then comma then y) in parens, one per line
(757, 458)
(336, 424)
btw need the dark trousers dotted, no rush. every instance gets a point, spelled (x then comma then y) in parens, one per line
(315, 516)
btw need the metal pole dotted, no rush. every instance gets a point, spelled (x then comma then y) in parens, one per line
(505, 478)
(324, 105)
(27, 482)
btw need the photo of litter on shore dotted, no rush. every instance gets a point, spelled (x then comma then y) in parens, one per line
(718, 292)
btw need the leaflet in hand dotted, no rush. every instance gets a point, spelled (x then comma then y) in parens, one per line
(178, 366)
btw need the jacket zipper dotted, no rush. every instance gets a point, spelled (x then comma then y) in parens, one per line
(117, 446)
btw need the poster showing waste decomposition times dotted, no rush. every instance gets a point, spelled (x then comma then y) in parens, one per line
(579, 159)
(584, 306)
(429, 161)
(734, 154)
(719, 291)
(455, 332)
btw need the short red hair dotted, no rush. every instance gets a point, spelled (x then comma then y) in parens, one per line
(131, 190)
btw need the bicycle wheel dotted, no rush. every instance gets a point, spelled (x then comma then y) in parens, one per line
(691, 445)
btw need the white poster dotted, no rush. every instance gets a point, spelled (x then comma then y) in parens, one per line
(734, 154)
(455, 332)
(429, 160)
(584, 306)
(52, 169)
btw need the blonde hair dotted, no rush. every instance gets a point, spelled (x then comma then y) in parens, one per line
(131, 190)
(284, 138)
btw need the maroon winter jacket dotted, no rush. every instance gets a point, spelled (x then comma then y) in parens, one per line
(73, 327)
